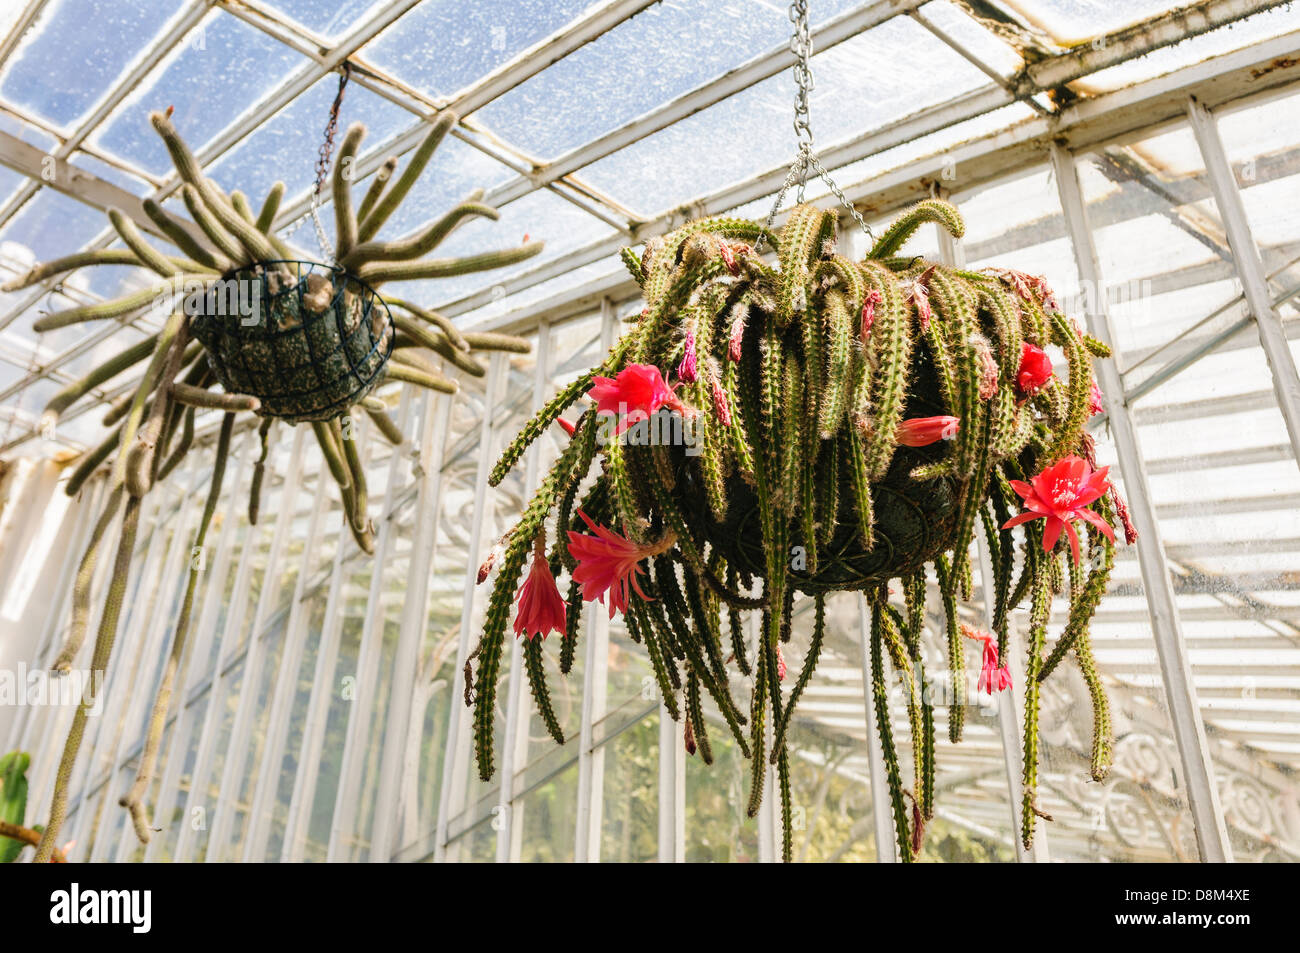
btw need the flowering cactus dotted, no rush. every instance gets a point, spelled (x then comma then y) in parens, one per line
(320, 346)
(853, 422)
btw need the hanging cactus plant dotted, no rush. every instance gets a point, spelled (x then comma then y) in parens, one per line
(286, 339)
(832, 425)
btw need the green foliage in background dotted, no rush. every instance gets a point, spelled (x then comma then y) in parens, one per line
(13, 799)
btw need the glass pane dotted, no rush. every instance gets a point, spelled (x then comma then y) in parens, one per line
(487, 34)
(220, 69)
(87, 62)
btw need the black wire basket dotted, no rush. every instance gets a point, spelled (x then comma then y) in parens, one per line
(308, 340)
(914, 520)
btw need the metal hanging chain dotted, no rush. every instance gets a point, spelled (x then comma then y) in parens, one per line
(323, 163)
(802, 47)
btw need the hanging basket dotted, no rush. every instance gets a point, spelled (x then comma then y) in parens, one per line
(308, 340)
(853, 424)
(914, 520)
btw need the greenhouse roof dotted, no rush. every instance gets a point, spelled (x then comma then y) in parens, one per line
(582, 141)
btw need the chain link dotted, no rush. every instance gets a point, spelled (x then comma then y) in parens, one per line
(323, 164)
(802, 47)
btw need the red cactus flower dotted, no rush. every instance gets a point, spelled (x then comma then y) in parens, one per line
(1035, 369)
(1062, 494)
(686, 369)
(993, 677)
(780, 664)
(566, 426)
(923, 431)
(869, 302)
(541, 608)
(638, 391)
(1095, 404)
(608, 564)
(721, 404)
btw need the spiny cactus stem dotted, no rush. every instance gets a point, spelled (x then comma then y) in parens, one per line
(230, 249)
(341, 182)
(270, 208)
(84, 259)
(82, 584)
(384, 423)
(186, 242)
(378, 182)
(332, 453)
(99, 662)
(399, 370)
(182, 447)
(172, 330)
(885, 731)
(149, 256)
(133, 800)
(1039, 610)
(160, 294)
(259, 469)
(805, 675)
(930, 210)
(376, 273)
(441, 322)
(212, 400)
(115, 365)
(537, 685)
(355, 492)
(256, 244)
(437, 343)
(140, 457)
(421, 242)
(394, 196)
(492, 341)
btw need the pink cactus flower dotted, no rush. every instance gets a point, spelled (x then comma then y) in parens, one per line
(869, 302)
(736, 339)
(918, 292)
(608, 564)
(686, 369)
(993, 676)
(721, 404)
(1095, 404)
